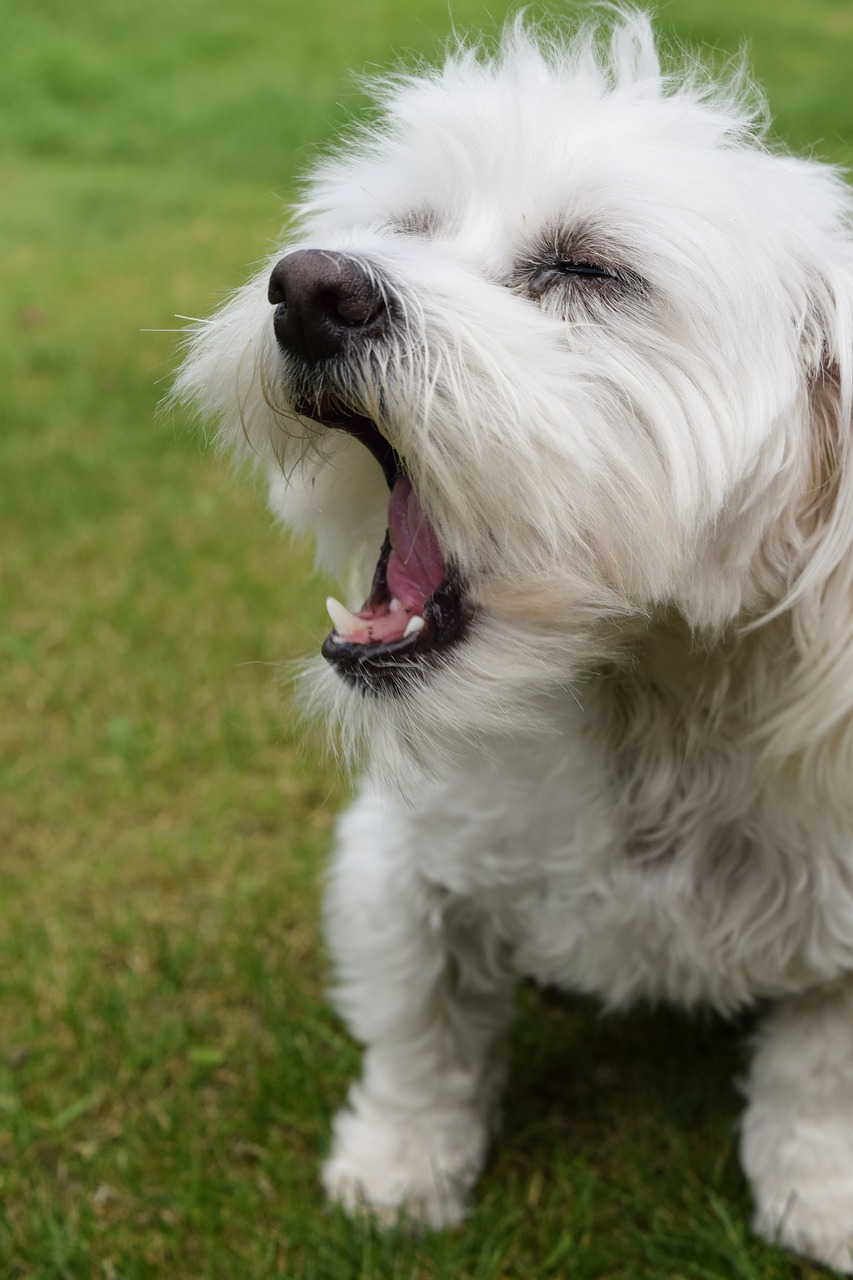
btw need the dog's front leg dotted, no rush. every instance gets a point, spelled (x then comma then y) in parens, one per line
(424, 983)
(797, 1139)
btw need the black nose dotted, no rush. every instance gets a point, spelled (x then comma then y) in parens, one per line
(323, 300)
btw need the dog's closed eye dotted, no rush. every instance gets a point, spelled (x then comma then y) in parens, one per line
(550, 273)
(565, 267)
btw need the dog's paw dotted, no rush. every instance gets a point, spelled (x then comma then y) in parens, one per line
(418, 1169)
(797, 1132)
(817, 1223)
(802, 1181)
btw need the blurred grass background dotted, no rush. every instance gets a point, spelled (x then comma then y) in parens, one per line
(167, 1063)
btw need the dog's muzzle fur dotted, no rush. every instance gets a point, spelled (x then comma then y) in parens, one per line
(331, 312)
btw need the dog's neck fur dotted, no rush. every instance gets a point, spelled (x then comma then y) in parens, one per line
(678, 720)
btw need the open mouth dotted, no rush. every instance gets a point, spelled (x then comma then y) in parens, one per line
(417, 606)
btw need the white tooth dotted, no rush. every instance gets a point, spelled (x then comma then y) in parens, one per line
(344, 622)
(394, 606)
(414, 624)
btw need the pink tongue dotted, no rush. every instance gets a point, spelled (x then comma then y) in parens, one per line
(415, 566)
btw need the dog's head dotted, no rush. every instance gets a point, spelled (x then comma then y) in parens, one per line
(577, 339)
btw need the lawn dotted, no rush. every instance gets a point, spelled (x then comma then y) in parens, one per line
(168, 1065)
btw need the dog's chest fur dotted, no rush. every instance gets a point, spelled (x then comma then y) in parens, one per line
(646, 851)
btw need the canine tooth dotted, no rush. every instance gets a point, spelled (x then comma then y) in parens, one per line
(395, 606)
(344, 622)
(414, 624)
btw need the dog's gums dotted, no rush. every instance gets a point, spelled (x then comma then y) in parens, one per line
(415, 608)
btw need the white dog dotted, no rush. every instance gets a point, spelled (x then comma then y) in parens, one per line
(596, 338)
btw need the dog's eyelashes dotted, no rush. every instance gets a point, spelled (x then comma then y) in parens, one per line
(584, 273)
(589, 270)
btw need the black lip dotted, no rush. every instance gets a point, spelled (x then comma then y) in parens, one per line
(390, 668)
(332, 414)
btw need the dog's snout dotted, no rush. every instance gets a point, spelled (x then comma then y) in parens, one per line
(323, 300)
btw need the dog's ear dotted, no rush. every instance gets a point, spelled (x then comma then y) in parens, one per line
(811, 721)
(828, 443)
(825, 516)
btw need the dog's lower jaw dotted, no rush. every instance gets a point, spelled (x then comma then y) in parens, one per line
(797, 1135)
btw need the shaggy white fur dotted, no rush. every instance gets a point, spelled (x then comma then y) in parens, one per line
(599, 334)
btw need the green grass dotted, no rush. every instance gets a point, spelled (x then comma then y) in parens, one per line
(168, 1065)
